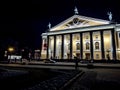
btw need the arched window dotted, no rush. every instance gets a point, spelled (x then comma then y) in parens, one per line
(96, 45)
(87, 46)
(78, 46)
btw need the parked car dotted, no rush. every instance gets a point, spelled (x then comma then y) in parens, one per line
(49, 61)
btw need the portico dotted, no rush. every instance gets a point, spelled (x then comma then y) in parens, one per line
(83, 37)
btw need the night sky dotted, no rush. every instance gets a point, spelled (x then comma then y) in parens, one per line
(21, 25)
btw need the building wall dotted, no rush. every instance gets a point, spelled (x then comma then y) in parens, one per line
(118, 44)
(96, 39)
(107, 44)
(44, 48)
(51, 47)
(58, 46)
(97, 45)
(76, 40)
(66, 54)
(86, 45)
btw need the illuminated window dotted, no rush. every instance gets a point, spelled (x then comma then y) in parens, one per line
(87, 46)
(96, 45)
(78, 46)
(75, 21)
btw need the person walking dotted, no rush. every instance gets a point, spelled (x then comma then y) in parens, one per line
(76, 63)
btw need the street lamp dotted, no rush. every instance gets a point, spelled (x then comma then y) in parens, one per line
(10, 49)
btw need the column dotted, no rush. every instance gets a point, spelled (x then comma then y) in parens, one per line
(91, 45)
(113, 44)
(70, 46)
(47, 47)
(62, 47)
(81, 46)
(54, 54)
(102, 45)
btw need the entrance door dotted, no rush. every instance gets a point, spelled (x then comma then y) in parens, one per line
(87, 56)
(68, 56)
(78, 55)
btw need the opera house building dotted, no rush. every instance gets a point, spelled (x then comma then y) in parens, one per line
(82, 37)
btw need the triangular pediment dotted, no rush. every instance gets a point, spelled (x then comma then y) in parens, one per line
(77, 21)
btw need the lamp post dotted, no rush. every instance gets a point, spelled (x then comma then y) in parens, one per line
(10, 49)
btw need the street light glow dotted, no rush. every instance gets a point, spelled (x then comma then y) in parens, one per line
(10, 49)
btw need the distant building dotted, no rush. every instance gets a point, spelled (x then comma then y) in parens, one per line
(13, 57)
(83, 37)
(37, 55)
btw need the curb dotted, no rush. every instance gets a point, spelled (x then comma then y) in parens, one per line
(89, 65)
(51, 64)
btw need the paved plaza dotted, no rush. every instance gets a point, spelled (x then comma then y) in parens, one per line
(96, 76)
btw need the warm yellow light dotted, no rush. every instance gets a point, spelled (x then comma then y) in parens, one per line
(107, 40)
(10, 49)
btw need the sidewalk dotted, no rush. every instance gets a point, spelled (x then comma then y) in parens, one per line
(72, 64)
(68, 64)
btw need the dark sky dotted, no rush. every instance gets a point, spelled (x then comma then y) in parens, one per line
(22, 24)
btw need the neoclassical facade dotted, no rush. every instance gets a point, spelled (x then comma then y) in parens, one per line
(83, 37)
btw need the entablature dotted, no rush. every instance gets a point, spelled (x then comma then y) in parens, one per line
(82, 29)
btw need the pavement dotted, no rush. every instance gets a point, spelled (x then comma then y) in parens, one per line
(41, 64)
(96, 77)
(72, 64)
